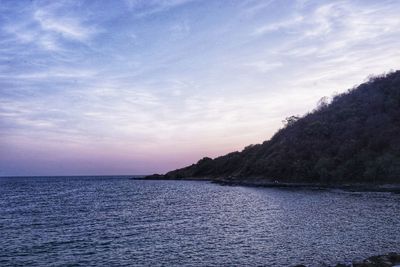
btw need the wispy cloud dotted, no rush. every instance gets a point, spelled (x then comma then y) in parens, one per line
(133, 83)
(343, 21)
(66, 27)
(47, 26)
(292, 22)
(253, 7)
(263, 66)
(145, 8)
(62, 73)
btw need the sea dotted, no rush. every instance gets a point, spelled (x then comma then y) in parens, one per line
(120, 221)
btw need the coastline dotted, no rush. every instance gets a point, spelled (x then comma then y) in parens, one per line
(352, 187)
(359, 187)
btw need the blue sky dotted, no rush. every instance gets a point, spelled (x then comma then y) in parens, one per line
(121, 87)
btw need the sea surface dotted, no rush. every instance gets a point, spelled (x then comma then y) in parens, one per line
(116, 221)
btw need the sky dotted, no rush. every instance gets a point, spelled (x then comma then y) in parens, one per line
(147, 86)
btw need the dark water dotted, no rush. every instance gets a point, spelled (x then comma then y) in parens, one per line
(121, 222)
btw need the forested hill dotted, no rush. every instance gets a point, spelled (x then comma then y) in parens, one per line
(354, 138)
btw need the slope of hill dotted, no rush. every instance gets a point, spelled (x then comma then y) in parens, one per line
(355, 138)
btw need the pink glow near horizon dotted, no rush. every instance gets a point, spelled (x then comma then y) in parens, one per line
(150, 86)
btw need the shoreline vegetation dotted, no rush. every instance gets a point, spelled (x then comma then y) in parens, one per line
(351, 142)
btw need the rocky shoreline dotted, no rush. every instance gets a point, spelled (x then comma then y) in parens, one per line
(394, 188)
(387, 260)
(360, 187)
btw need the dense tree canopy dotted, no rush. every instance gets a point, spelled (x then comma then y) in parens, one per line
(354, 138)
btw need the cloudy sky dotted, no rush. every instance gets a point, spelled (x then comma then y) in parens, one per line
(124, 87)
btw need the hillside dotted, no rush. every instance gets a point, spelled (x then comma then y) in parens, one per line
(354, 138)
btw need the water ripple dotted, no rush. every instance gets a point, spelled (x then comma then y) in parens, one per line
(120, 222)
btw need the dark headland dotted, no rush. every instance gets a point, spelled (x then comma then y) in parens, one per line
(351, 142)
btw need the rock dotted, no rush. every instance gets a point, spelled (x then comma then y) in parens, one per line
(388, 260)
(155, 176)
(394, 257)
